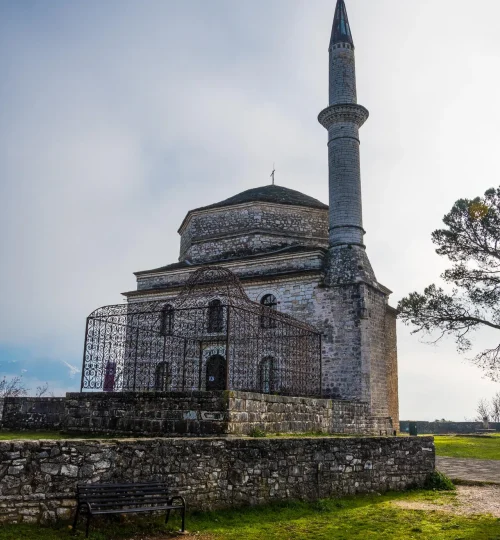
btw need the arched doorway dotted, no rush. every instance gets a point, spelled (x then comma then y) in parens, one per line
(162, 377)
(216, 373)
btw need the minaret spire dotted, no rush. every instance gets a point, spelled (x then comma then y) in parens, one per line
(341, 30)
(342, 119)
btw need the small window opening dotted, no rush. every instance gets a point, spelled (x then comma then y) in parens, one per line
(167, 321)
(215, 316)
(269, 301)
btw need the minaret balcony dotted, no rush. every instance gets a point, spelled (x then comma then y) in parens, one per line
(342, 113)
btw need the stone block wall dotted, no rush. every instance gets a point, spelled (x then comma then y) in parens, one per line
(278, 414)
(218, 233)
(32, 413)
(38, 478)
(147, 413)
(191, 413)
(215, 413)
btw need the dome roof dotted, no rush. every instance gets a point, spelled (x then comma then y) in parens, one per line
(270, 194)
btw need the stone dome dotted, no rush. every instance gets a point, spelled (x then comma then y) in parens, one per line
(256, 221)
(270, 194)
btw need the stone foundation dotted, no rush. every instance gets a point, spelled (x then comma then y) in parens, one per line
(38, 478)
(190, 413)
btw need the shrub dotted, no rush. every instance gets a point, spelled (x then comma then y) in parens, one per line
(438, 481)
(257, 433)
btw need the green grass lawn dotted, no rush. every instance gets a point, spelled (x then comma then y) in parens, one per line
(468, 447)
(29, 435)
(361, 517)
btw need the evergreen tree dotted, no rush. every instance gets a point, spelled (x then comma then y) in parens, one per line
(471, 241)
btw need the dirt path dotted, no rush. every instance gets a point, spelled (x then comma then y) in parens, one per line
(469, 501)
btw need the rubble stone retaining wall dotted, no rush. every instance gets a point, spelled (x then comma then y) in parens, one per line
(38, 478)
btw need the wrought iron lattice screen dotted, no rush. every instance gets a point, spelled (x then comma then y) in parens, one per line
(196, 343)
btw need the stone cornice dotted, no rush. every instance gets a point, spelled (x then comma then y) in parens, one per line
(334, 114)
(256, 280)
(247, 261)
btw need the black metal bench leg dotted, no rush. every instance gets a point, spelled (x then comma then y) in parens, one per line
(88, 525)
(167, 517)
(75, 521)
(183, 519)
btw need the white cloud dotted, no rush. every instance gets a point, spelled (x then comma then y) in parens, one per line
(73, 370)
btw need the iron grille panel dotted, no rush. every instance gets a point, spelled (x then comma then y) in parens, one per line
(133, 347)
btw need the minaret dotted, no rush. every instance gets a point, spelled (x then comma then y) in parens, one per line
(342, 119)
(359, 354)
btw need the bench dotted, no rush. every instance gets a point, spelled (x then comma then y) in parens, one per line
(101, 499)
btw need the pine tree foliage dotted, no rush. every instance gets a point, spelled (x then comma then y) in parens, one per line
(471, 241)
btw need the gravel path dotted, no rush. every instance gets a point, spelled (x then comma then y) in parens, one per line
(477, 470)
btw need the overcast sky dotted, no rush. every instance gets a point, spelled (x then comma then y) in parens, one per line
(118, 116)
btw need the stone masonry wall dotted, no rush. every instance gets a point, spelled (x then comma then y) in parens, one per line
(214, 413)
(218, 233)
(391, 354)
(376, 351)
(38, 478)
(359, 353)
(278, 414)
(248, 243)
(192, 413)
(32, 413)
(147, 413)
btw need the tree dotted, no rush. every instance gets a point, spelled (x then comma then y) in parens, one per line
(43, 389)
(495, 408)
(13, 387)
(471, 241)
(483, 411)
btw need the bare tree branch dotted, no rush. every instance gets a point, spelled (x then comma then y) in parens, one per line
(13, 387)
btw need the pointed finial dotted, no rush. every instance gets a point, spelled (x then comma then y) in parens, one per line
(272, 174)
(341, 31)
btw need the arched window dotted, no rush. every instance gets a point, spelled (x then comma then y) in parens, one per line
(267, 375)
(167, 320)
(162, 377)
(268, 301)
(215, 316)
(216, 373)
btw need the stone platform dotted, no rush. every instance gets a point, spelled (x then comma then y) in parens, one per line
(191, 414)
